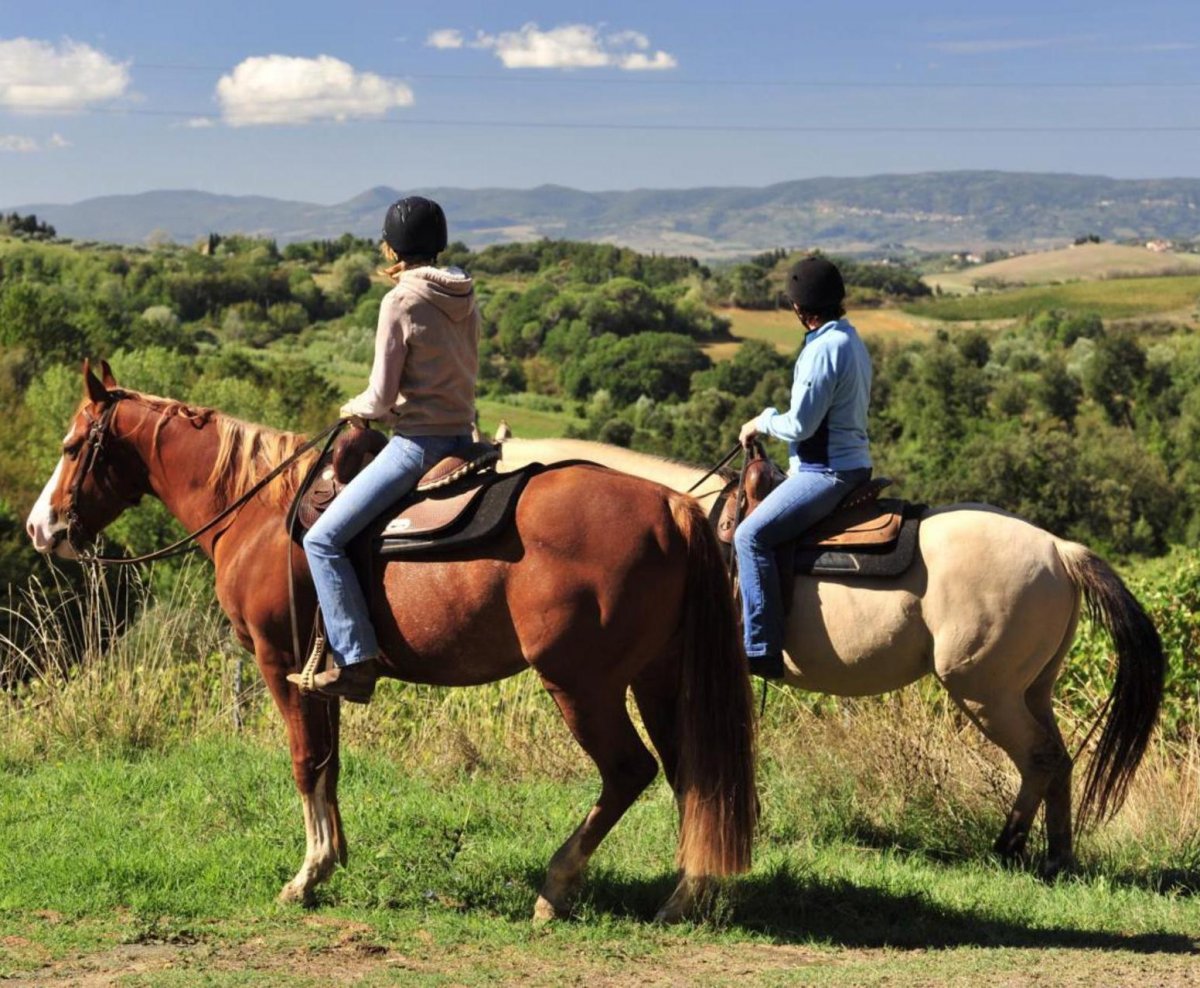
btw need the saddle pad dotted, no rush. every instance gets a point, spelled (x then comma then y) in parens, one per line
(332, 474)
(431, 513)
(876, 522)
(879, 561)
(483, 510)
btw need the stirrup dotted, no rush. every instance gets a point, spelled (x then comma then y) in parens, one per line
(308, 674)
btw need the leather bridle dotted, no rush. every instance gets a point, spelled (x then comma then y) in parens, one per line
(98, 430)
(93, 447)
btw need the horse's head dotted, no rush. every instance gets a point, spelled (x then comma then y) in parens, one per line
(96, 478)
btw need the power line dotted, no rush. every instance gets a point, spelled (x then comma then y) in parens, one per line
(577, 78)
(815, 128)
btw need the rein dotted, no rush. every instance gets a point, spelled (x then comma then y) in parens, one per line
(95, 442)
(724, 461)
(736, 488)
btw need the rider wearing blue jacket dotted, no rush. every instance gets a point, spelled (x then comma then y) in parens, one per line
(825, 426)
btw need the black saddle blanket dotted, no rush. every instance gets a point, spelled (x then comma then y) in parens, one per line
(486, 516)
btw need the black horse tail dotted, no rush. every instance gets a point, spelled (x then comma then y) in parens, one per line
(1137, 689)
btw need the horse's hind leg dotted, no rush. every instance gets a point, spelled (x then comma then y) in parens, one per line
(1059, 854)
(656, 692)
(1037, 752)
(658, 702)
(603, 729)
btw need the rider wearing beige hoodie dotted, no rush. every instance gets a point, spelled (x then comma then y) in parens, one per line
(422, 384)
(426, 355)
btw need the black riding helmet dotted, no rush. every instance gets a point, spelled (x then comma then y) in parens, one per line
(415, 227)
(815, 284)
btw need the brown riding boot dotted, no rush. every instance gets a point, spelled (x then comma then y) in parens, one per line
(355, 682)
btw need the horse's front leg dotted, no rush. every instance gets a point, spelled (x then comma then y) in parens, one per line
(312, 726)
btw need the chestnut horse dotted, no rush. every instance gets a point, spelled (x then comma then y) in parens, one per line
(604, 583)
(989, 607)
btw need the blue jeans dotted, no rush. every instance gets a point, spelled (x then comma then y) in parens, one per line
(386, 479)
(797, 504)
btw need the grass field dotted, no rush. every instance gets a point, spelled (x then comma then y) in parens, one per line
(1123, 298)
(146, 840)
(780, 328)
(1084, 262)
(162, 868)
(527, 422)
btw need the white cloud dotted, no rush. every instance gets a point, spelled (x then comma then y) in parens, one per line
(199, 123)
(573, 46)
(281, 89)
(447, 37)
(639, 61)
(18, 144)
(39, 77)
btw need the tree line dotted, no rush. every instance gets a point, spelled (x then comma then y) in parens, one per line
(1088, 428)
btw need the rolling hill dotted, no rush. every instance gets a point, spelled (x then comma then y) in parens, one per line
(934, 210)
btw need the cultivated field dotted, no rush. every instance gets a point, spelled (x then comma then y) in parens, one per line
(1083, 262)
(1118, 298)
(780, 328)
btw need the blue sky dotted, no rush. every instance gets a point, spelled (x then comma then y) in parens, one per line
(321, 100)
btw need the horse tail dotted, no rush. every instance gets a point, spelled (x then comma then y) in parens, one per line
(1137, 689)
(718, 799)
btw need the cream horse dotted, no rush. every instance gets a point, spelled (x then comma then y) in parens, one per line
(989, 607)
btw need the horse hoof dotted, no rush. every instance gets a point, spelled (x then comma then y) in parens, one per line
(544, 911)
(670, 914)
(688, 894)
(295, 895)
(1011, 850)
(1055, 868)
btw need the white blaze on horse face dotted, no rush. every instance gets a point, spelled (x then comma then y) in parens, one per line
(42, 526)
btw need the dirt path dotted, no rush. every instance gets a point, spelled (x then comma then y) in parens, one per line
(355, 956)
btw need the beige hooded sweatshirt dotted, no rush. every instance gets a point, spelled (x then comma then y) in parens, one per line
(426, 356)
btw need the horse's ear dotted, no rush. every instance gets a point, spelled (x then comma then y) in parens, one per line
(92, 387)
(110, 382)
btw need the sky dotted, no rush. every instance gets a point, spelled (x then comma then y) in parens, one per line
(318, 101)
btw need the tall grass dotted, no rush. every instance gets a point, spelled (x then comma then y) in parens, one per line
(113, 670)
(111, 667)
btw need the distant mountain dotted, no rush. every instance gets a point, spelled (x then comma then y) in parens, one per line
(934, 210)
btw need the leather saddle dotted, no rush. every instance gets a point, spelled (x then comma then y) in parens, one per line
(438, 514)
(865, 535)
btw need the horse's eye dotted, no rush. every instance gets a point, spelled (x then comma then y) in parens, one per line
(71, 452)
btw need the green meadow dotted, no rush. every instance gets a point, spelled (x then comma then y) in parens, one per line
(1117, 298)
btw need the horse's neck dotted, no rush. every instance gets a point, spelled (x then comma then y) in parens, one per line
(677, 476)
(179, 459)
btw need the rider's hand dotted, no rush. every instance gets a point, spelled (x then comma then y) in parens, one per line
(347, 412)
(749, 431)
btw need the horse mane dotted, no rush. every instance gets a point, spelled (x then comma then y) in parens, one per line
(245, 451)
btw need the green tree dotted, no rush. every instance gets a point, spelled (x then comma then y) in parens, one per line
(659, 365)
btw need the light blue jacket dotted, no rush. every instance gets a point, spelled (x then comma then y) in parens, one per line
(826, 424)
